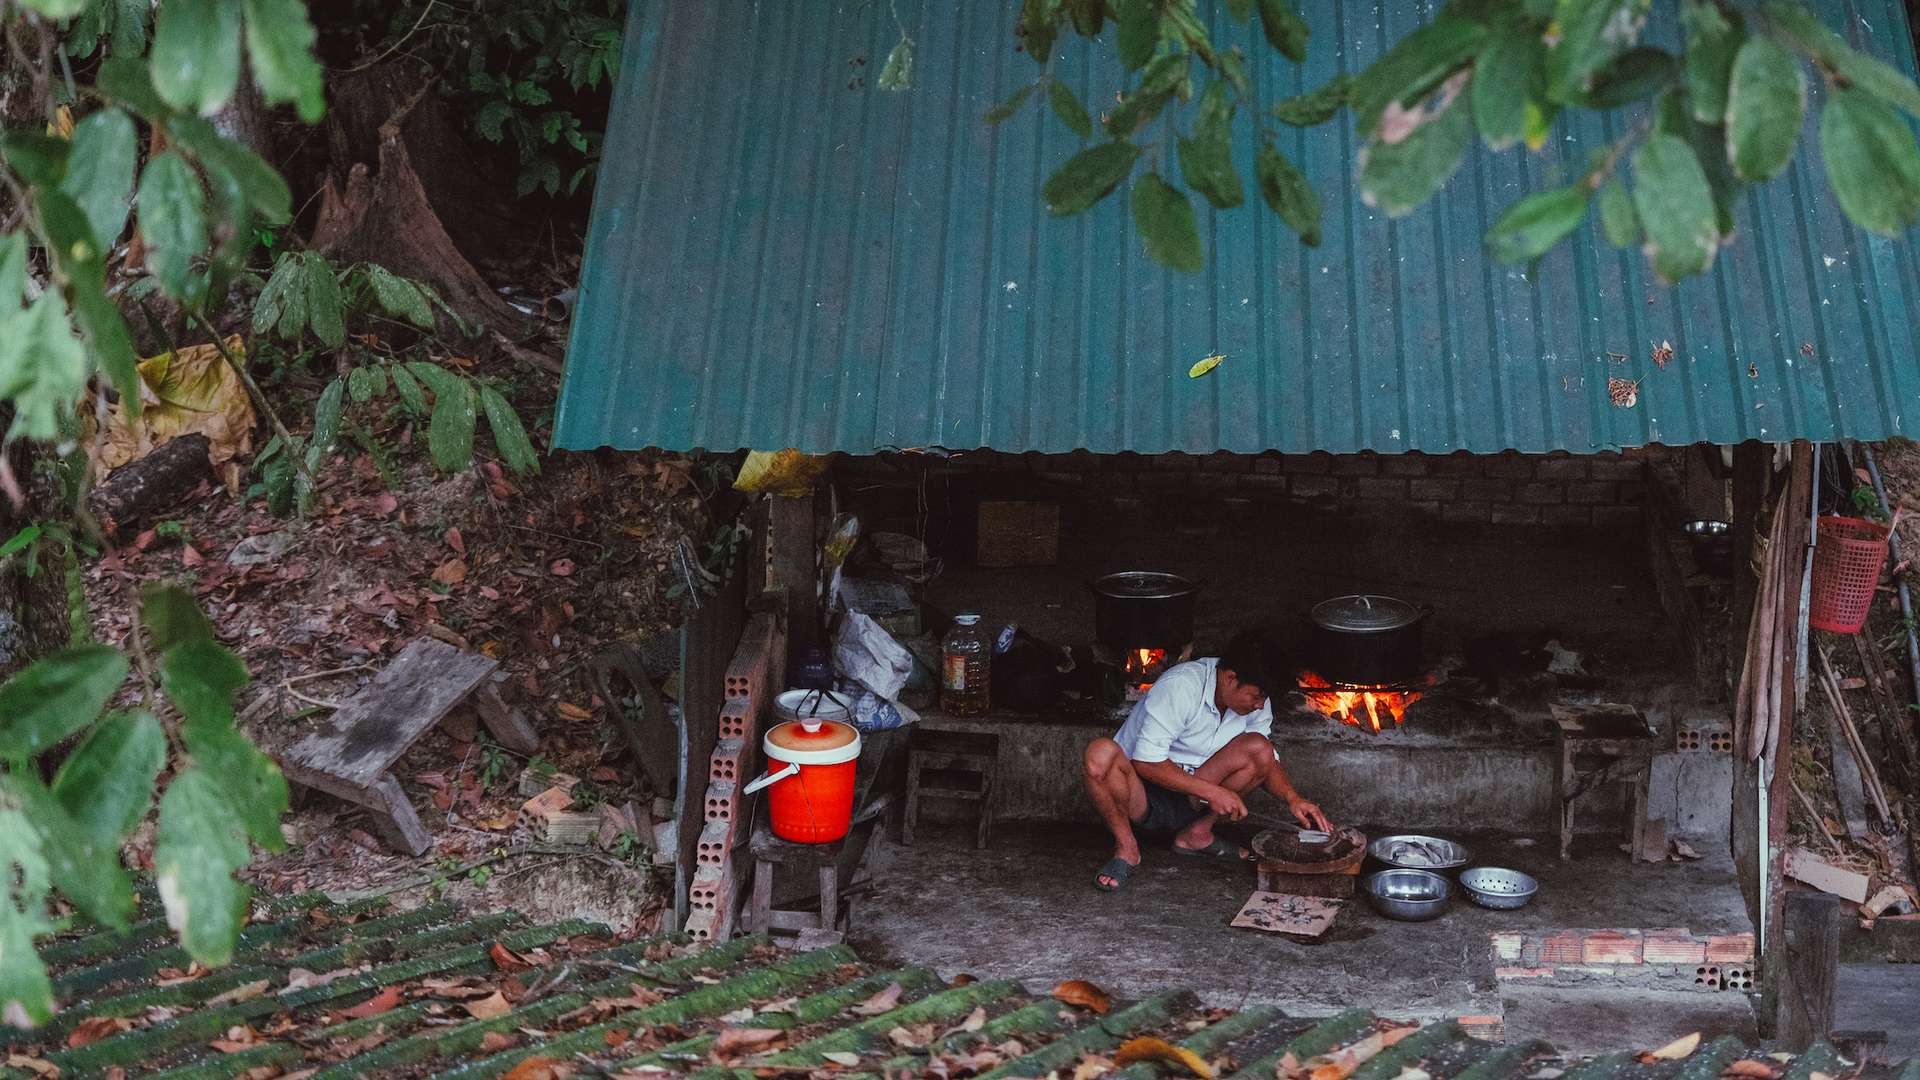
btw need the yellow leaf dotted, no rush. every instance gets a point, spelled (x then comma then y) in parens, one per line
(1678, 1048)
(62, 125)
(1148, 1048)
(188, 391)
(1084, 994)
(486, 1008)
(1205, 365)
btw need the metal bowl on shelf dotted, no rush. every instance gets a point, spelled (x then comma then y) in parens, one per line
(1498, 887)
(1408, 895)
(1412, 851)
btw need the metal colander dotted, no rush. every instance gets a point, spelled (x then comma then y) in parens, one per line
(1499, 888)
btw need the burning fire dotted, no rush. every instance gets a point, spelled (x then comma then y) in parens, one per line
(1142, 666)
(1361, 706)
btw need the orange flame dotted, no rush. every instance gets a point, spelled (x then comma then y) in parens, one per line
(1361, 706)
(1141, 663)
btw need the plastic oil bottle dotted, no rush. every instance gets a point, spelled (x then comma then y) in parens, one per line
(965, 667)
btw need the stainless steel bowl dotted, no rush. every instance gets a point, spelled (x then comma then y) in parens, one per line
(1412, 851)
(1409, 895)
(1498, 887)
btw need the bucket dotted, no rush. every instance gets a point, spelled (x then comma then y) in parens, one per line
(813, 707)
(1846, 569)
(809, 780)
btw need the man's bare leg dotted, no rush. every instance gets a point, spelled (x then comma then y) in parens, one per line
(1240, 766)
(1118, 796)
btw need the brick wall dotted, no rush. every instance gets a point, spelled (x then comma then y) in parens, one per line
(1504, 489)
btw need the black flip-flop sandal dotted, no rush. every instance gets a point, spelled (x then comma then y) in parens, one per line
(1119, 870)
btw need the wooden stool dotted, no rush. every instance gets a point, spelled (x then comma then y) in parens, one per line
(769, 851)
(1599, 744)
(377, 725)
(951, 752)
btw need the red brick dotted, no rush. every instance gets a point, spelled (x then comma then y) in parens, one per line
(1679, 949)
(1563, 948)
(1410, 464)
(1593, 491)
(723, 800)
(1508, 944)
(1506, 514)
(1612, 947)
(1730, 949)
(1380, 489)
(710, 886)
(1464, 511)
(701, 925)
(1356, 465)
(747, 673)
(736, 719)
(1565, 515)
(715, 844)
(1488, 1028)
(1538, 493)
(1308, 487)
(1432, 487)
(1554, 467)
(1523, 973)
(725, 762)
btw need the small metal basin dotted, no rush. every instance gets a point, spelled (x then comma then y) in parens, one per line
(1412, 851)
(1408, 895)
(1498, 887)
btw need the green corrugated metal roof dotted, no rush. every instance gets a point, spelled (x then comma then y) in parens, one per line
(382, 995)
(782, 255)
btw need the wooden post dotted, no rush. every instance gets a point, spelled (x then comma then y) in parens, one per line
(1752, 467)
(1810, 968)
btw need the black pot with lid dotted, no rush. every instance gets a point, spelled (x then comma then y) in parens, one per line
(1366, 639)
(1143, 609)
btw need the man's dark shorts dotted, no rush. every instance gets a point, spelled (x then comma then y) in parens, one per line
(1167, 810)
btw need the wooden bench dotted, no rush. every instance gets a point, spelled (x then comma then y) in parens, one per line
(420, 688)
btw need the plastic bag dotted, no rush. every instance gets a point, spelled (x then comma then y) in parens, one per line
(787, 472)
(865, 653)
(871, 712)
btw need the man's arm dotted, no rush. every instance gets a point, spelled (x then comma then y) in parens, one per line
(1303, 811)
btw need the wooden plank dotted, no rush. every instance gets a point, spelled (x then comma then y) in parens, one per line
(1809, 869)
(376, 726)
(1811, 969)
(508, 725)
(793, 567)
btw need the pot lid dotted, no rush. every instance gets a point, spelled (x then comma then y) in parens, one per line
(1364, 613)
(1144, 585)
(811, 705)
(790, 741)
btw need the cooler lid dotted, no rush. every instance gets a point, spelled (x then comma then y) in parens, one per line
(833, 743)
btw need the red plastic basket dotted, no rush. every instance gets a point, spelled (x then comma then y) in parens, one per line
(1846, 571)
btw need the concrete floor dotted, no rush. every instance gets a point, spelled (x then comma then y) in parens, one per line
(1024, 909)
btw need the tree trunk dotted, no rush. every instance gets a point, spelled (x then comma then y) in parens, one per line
(33, 609)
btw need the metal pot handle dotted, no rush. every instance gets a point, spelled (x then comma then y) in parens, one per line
(771, 778)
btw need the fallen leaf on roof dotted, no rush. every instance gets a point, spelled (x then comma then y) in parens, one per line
(975, 1020)
(243, 992)
(33, 1065)
(95, 1028)
(962, 979)
(841, 1058)
(1675, 1050)
(486, 1008)
(1662, 353)
(1408, 1072)
(1148, 1048)
(882, 1002)
(735, 1041)
(912, 1038)
(738, 1016)
(538, 1068)
(300, 979)
(616, 1037)
(1748, 1067)
(495, 1041)
(506, 959)
(1084, 994)
(383, 1001)
(1091, 1066)
(1205, 365)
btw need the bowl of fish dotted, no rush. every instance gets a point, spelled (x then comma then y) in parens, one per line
(1412, 851)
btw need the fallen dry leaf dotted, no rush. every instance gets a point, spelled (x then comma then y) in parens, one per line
(1408, 1072)
(975, 1020)
(456, 989)
(882, 1002)
(383, 1001)
(913, 1038)
(562, 568)
(841, 1058)
(300, 978)
(1755, 1070)
(1084, 994)
(451, 572)
(243, 992)
(571, 711)
(33, 1065)
(616, 1037)
(1091, 1066)
(1675, 1050)
(734, 1041)
(962, 979)
(1663, 353)
(495, 1041)
(1148, 1048)
(486, 1008)
(506, 959)
(738, 1016)
(95, 1028)
(457, 542)
(538, 1068)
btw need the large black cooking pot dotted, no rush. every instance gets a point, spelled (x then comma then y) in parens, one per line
(1367, 640)
(1143, 609)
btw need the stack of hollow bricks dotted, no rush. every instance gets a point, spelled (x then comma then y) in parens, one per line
(1670, 958)
(748, 693)
(1509, 488)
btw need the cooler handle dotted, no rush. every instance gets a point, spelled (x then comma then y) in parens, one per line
(771, 778)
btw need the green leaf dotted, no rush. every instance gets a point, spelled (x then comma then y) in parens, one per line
(1165, 219)
(1315, 106)
(1010, 106)
(1766, 102)
(1067, 107)
(326, 313)
(1529, 228)
(1805, 32)
(39, 159)
(509, 436)
(1872, 162)
(1206, 159)
(897, 73)
(1088, 177)
(1288, 194)
(1040, 19)
(1416, 65)
(1510, 72)
(43, 369)
(400, 297)
(450, 430)
(249, 778)
(282, 304)
(130, 27)
(359, 384)
(105, 334)
(1592, 34)
(1163, 79)
(1712, 43)
(1399, 176)
(409, 390)
(26, 995)
(1139, 31)
(1089, 15)
(1635, 75)
(1675, 204)
(172, 618)
(1617, 219)
(13, 273)
(106, 784)
(280, 55)
(173, 223)
(56, 9)
(100, 172)
(326, 417)
(196, 53)
(266, 192)
(129, 82)
(198, 847)
(1285, 29)
(20, 541)
(81, 865)
(1240, 10)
